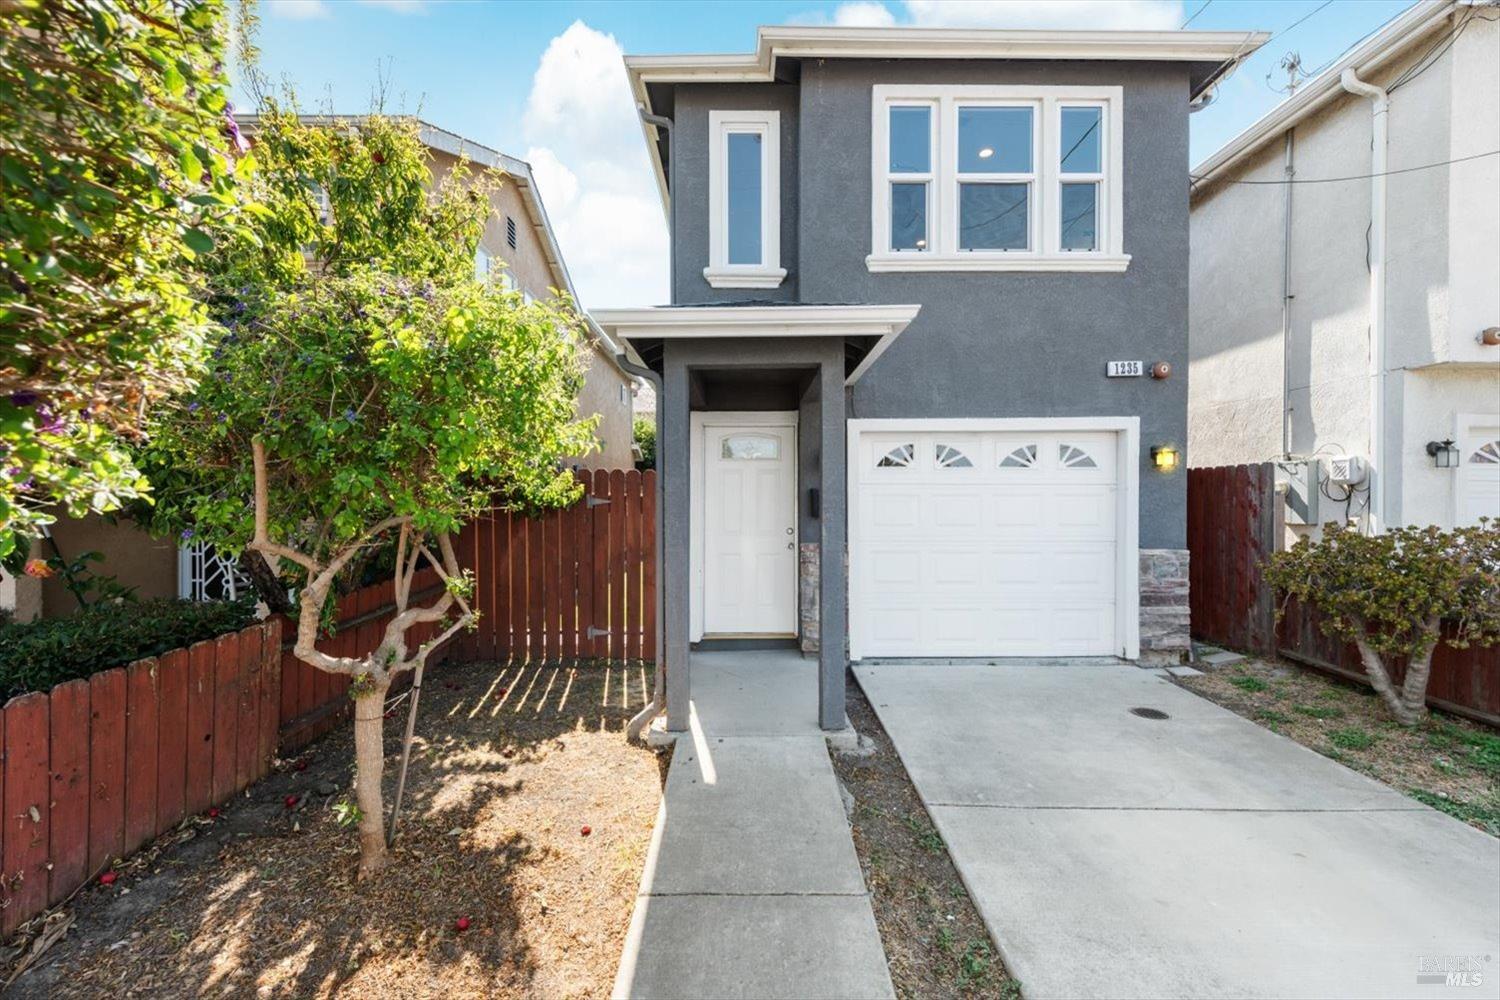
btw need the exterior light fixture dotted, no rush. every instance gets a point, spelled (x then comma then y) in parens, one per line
(1444, 453)
(1165, 457)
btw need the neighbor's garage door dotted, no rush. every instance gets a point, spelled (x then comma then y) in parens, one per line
(985, 544)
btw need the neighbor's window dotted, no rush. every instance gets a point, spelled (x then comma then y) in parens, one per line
(744, 200)
(997, 178)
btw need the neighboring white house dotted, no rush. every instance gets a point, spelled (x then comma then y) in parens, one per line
(1317, 303)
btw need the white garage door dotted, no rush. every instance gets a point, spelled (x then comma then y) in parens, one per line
(1478, 480)
(985, 544)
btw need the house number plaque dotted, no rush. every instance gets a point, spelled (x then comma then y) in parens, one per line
(1124, 369)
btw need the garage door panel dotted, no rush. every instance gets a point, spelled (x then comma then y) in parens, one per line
(992, 544)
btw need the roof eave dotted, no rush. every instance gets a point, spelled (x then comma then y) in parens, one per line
(1405, 30)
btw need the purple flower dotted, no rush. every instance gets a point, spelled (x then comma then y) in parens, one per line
(187, 533)
(51, 423)
(23, 398)
(194, 406)
(232, 130)
(349, 414)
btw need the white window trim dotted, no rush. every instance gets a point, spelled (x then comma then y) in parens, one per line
(1127, 501)
(1045, 253)
(768, 273)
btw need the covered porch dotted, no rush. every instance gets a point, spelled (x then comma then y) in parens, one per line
(751, 453)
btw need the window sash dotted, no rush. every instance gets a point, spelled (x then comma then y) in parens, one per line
(1044, 180)
(724, 126)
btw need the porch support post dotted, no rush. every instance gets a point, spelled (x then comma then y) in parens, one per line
(676, 423)
(831, 576)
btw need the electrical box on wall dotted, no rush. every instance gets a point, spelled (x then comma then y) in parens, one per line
(1297, 482)
(1347, 470)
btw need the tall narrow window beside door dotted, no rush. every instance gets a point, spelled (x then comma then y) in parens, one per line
(744, 200)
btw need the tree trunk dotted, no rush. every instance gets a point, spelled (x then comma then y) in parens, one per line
(268, 586)
(1380, 680)
(1414, 684)
(369, 768)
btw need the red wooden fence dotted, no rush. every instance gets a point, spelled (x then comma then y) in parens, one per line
(572, 585)
(1231, 532)
(98, 767)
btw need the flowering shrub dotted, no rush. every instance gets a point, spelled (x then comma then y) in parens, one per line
(1390, 594)
(367, 390)
(115, 153)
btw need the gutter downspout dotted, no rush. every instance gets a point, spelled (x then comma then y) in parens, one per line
(1380, 124)
(658, 702)
(1286, 303)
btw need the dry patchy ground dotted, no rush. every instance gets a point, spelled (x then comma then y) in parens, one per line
(935, 942)
(512, 764)
(1447, 762)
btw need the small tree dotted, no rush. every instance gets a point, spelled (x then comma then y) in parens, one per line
(116, 146)
(368, 390)
(1390, 595)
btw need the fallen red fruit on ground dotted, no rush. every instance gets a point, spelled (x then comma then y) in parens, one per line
(462, 923)
(214, 813)
(108, 878)
(585, 831)
(301, 765)
(292, 800)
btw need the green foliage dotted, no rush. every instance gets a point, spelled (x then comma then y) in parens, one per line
(384, 379)
(1392, 591)
(116, 151)
(1318, 711)
(1351, 738)
(1484, 814)
(36, 655)
(346, 813)
(85, 583)
(1248, 684)
(645, 437)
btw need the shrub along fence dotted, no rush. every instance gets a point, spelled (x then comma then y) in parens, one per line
(1232, 530)
(97, 767)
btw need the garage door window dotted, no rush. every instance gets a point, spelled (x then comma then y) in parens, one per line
(898, 457)
(1487, 454)
(1023, 457)
(1072, 457)
(949, 457)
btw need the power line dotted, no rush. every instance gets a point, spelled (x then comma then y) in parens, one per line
(1360, 177)
(1299, 20)
(1200, 10)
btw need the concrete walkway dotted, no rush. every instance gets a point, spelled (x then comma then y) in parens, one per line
(1200, 855)
(752, 887)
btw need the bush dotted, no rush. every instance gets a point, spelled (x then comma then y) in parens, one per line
(645, 437)
(36, 655)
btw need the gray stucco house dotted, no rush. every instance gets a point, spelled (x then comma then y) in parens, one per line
(902, 262)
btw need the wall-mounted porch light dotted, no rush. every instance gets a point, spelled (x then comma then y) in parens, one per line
(1444, 453)
(1165, 457)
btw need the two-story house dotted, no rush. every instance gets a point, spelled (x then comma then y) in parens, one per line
(906, 264)
(1346, 282)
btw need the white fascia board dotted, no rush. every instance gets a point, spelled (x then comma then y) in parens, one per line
(885, 322)
(1402, 32)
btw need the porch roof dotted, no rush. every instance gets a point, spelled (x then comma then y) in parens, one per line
(867, 330)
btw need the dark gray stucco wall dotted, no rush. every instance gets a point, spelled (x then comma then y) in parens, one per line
(984, 344)
(692, 104)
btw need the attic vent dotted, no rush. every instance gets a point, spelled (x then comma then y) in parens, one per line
(510, 232)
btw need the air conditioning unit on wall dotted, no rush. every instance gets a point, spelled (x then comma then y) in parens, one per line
(1347, 470)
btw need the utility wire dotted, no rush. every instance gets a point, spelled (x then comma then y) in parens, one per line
(1200, 10)
(1360, 177)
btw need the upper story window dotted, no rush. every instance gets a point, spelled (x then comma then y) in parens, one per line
(481, 264)
(979, 178)
(744, 202)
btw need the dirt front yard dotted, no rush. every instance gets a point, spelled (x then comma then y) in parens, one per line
(522, 842)
(935, 941)
(1447, 762)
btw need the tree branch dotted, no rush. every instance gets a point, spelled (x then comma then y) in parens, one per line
(262, 542)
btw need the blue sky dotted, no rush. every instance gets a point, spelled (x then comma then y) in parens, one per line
(543, 81)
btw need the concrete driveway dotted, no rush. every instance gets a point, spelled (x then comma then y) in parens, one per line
(1197, 855)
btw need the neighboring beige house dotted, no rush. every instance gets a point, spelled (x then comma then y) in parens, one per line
(519, 249)
(1348, 314)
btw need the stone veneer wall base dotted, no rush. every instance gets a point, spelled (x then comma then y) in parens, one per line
(1165, 619)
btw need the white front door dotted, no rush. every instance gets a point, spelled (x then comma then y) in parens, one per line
(749, 529)
(1478, 480)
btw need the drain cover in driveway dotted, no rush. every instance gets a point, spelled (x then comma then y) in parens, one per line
(1150, 713)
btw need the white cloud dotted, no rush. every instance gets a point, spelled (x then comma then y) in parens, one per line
(593, 171)
(864, 14)
(299, 10)
(1102, 14)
